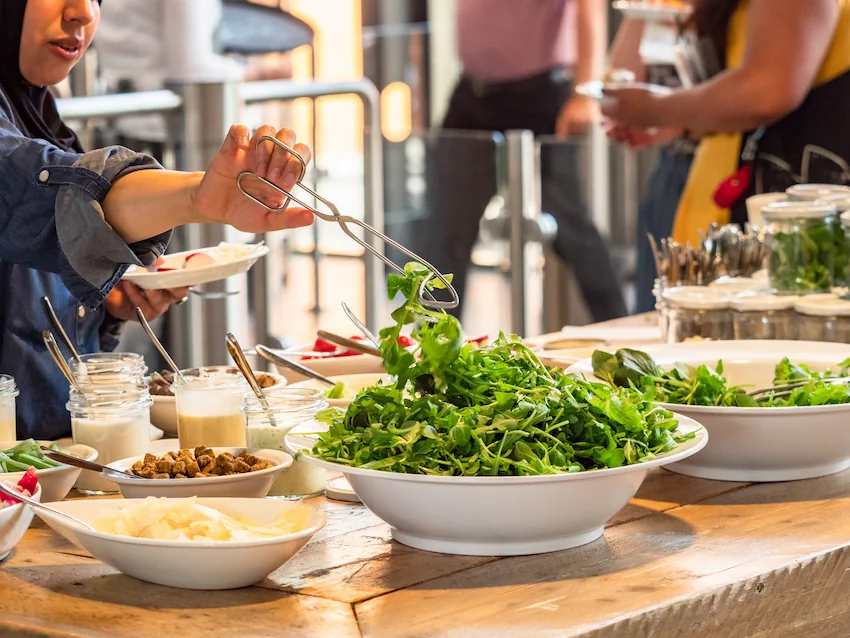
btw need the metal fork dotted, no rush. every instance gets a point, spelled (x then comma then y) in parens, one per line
(425, 297)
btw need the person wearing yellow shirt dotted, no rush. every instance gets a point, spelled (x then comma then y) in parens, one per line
(785, 85)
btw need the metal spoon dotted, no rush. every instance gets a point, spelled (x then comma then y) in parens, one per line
(351, 344)
(57, 326)
(68, 459)
(360, 326)
(241, 362)
(270, 355)
(33, 503)
(53, 349)
(158, 343)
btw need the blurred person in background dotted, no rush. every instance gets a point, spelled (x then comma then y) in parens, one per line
(74, 221)
(519, 62)
(785, 85)
(664, 188)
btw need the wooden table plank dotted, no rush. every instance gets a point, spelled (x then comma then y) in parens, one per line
(793, 536)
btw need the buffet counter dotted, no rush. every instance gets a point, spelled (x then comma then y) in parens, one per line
(686, 557)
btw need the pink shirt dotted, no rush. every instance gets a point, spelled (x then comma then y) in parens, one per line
(502, 40)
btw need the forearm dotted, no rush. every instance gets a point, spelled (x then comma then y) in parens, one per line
(625, 50)
(591, 23)
(144, 204)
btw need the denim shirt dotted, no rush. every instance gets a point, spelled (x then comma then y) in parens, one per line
(55, 242)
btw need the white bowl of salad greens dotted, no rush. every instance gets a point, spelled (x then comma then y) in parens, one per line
(791, 433)
(56, 479)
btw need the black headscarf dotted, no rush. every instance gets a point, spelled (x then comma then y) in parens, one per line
(34, 106)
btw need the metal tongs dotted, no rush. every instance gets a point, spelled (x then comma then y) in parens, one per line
(425, 297)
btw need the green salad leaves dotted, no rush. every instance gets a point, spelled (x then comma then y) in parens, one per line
(464, 411)
(703, 385)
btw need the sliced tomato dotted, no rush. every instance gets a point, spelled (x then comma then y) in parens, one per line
(29, 481)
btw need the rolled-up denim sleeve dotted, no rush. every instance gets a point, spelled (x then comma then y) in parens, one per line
(51, 215)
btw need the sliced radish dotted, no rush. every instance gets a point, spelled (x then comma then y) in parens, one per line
(165, 269)
(197, 260)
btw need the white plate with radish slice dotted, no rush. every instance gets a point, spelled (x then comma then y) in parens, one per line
(196, 267)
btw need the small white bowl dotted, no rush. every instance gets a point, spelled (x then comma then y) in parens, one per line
(188, 564)
(14, 521)
(164, 408)
(56, 482)
(354, 381)
(499, 515)
(759, 444)
(247, 485)
(329, 366)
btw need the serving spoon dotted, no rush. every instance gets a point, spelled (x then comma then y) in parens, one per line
(68, 459)
(270, 355)
(37, 505)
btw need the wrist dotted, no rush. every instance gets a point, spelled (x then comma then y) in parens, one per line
(190, 211)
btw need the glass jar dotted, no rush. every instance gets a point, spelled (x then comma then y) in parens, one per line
(697, 312)
(764, 316)
(813, 192)
(115, 421)
(8, 392)
(802, 247)
(209, 405)
(823, 318)
(109, 368)
(290, 407)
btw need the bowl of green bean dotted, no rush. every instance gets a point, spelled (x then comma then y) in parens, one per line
(56, 479)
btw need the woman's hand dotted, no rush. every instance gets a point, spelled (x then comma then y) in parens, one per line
(125, 297)
(217, 198)
(638, 139)
(635, 108)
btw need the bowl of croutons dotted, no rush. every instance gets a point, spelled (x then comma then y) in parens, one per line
(221, 472)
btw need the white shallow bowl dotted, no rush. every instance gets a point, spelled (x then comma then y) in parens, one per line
(56, 482)
(164, 408)
(354, 381)
(328, 366)
(187, 564)
(760, 444)
(248, 485)
(500, 515)
(14, 521)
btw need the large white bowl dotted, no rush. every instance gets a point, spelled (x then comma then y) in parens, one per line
(329, 366)
(14, 521)
(58, 481)
(760, 444)
(500, 515)
(354, 381)
(247, 485)
(164, 408)
(187, 564)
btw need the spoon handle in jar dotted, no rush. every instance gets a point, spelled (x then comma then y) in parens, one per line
(57, 326)
(53, 349)
(238, 357)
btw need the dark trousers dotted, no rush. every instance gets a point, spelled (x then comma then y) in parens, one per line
(462, 178)
(656, 216)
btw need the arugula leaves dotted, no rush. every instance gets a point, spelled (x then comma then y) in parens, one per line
(804, 261)
(460, 410)
(702, 385)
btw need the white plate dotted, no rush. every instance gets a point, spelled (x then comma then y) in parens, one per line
(14, 520)
(57, 481)
(188, 564)
(248, 485)
(354, 381)
(652, 11)
(760, 444)
(179, 278)
(499, 515)
(595, 89)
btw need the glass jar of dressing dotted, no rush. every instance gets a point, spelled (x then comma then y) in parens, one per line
(109, 368)
(823, 317)
(209, 405)
(697, 311)
(812, 192)
(8, 392)
(115, 421)
(764, 316)
(290, 407)
(802, 247)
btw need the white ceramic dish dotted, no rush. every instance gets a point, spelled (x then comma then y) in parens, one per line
(355, 382)
(180, 277)
(58, 481)
(329, 366)
(186, 564)
(164, 408)
(14, 521)
(248, 485)
(499, 515)
(760, 444)
(595, 89)
(652, 11)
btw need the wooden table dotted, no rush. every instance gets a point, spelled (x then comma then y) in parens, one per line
(687, 557)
